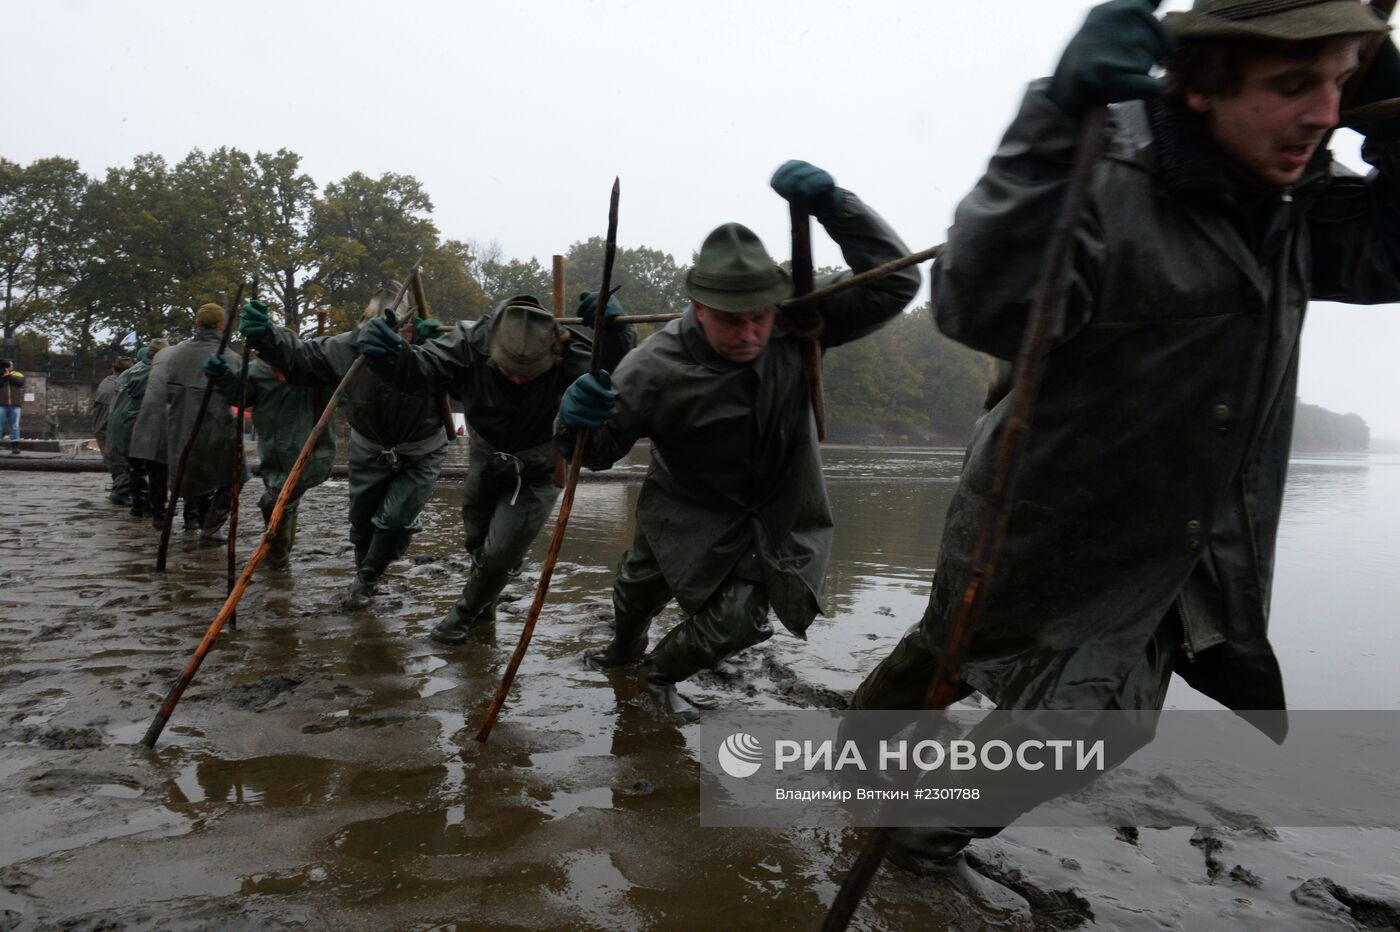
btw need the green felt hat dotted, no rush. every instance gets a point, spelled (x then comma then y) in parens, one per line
(1275, 20)
(524, 338)
(734, 272)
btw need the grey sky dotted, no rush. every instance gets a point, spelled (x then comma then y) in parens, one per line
(517, 116)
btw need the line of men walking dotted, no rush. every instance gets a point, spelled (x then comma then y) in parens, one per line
(1141, 539)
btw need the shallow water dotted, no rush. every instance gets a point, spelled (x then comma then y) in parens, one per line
(322, 771)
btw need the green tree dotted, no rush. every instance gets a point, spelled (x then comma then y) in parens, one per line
(280, 223)
(652, 282)
(368, 231)
(38, 209)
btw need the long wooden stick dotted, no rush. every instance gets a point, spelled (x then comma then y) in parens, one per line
(557, 308)
(802, 283)
(231, 602)
(1045, 315)
(449, 425)
(237, 484)
(273, 522)
(567, 505)
(177, 487)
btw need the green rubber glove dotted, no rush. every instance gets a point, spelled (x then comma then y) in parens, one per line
(798, 180)
(377, 340)
(426, 328)
(588, 402)
(253, 321)
(1108, 60)
(588, 309)
(215, 367)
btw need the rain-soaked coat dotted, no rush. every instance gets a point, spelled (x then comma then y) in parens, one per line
(502, 416)
(102, 401)
(735, 469)
(173, 396)
(1154, 469)
(380, 413)
(126, 405)
(283, 415)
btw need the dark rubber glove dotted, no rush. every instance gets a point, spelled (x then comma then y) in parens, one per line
(588, 307)
(426, 328)
(1382, 82)
(215, 367)
(377, 339)
(588, 402)
(1108, 60)
(253, 322)
(797, 180)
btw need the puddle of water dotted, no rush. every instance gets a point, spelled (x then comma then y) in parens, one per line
(118, 791)
(566, 803)
(434, 685)
(596, 891)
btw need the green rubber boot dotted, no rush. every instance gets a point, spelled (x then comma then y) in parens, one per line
(475, 607)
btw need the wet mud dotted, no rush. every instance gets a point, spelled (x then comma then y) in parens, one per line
(321, 772)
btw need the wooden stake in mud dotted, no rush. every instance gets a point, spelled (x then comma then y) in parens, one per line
(449, 425)
(567, 504)
(1045, 316)
(273, 522)
(808, 322)
(237, 485)
(557, 307)
(177, 486)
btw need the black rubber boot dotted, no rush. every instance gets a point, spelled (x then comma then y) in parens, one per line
(384, 548)
(279, 550)
(674, 659)
(927, 851)
(624, 649)
(362, 590)
(474, 608)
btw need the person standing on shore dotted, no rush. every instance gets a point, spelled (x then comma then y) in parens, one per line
(11, 400)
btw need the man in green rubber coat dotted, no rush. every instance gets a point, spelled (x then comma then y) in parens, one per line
(508, 369)
(397, 443)
(733, 517)
(102, 401)
(174, 394)
(1141, 539)
(283, 415)
(145, 478)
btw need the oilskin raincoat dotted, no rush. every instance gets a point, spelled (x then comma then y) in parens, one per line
(735, 470)
(102, 401)
(126, 405)
(380, 413)
(174, 393)
(1154, 468)
(283, 415)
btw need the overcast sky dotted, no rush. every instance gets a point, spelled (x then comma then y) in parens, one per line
(517, 115)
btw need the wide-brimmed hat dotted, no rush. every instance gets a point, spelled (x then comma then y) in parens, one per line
(524, 338)
(1275, 20)
(734, 272)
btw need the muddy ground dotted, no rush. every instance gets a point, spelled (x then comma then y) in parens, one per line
(321, 772)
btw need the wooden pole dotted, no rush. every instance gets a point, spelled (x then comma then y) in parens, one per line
(237, 485)
(557, 306)
(231, 602)
(449, 425)
(177, 487)
(273, 522)
(566, 506)
(1046, 311)
(810, 329)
